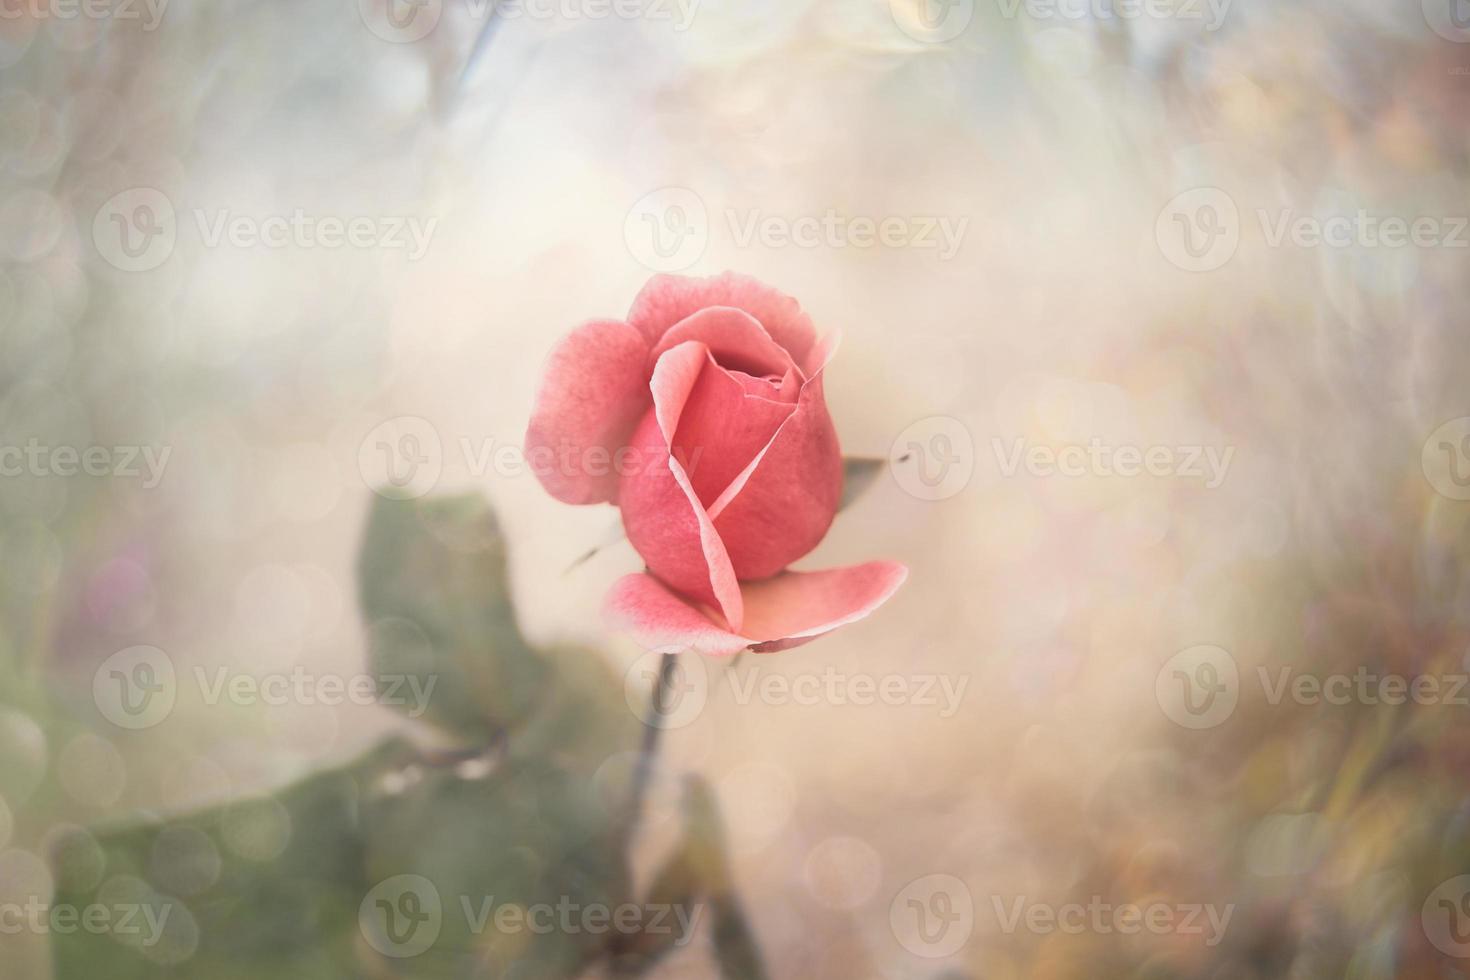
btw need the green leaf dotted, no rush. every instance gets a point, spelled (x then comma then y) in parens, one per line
(286, 885)
(260, 887)
(472, 841)
(441, 626)
(532, 813)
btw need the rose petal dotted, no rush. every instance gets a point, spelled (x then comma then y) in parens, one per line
(736, 339)
(781, 613)
(663, 516)
(660, 620)
(592, 395)
(722, 429)
(783, 389)
(666, 300)
(797, 607)
(780, 506)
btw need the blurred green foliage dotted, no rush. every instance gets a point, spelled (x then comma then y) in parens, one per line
(519, 798)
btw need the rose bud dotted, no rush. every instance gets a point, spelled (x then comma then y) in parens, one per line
(702, 418)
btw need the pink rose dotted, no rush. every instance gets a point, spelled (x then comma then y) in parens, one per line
(702, 417)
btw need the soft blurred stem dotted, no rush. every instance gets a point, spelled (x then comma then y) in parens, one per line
(648, 751)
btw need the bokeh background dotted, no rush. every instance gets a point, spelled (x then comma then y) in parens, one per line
(554, 162)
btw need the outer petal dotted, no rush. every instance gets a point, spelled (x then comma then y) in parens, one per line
(781, 613)
(660, 620)
(780, 507)
(662, 515)
(593, 393)
(666, 300)
(797, 607)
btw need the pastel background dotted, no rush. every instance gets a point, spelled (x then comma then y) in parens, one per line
(552, 174)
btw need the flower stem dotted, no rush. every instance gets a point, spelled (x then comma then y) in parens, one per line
(649, 749)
